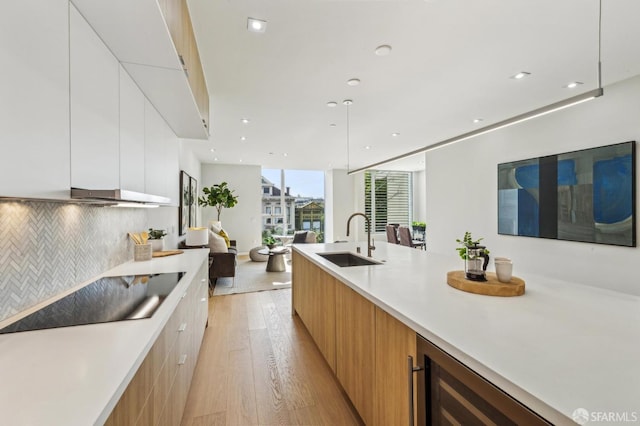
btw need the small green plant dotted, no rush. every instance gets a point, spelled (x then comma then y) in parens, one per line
(468, 241)
(156, 234)
(268, 241)
(417, 224)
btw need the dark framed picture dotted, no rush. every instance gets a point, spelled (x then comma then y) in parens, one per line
(587, 195)
(183, 212)
(193, 201)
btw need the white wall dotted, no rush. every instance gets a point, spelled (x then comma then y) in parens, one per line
(167, 217)
(243, 222)
(344, 195)
(419, 200)
(461, 190)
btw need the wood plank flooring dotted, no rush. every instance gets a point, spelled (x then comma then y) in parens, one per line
(259, 366)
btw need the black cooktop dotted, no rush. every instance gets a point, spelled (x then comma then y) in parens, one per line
(108, 299)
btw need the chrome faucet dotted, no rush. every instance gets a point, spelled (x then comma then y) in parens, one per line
(369, 245)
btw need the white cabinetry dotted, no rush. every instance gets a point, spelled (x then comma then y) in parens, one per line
(94, 109)
(132, 153)
(34, 100)
(161, 155)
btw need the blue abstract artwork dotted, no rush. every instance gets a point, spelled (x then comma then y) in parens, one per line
(586, 195)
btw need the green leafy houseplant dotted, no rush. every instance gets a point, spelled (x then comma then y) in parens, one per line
(468, 241)
(218, 196)
(269, 241)
(419, 225)
(156, 234)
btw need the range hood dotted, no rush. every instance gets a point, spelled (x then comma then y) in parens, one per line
(117, 195)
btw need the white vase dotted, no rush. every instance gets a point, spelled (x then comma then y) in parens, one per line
(215, 223)
(157, 245)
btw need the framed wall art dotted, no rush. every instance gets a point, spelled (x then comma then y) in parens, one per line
(587, 195)
(193, 201)
(183, 212)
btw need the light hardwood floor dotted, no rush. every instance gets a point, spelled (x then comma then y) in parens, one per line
(259, 366)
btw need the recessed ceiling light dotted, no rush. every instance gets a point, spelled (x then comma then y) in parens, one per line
(243, 138)
(367, 147)
(212, 150)
(240, 161)
(331, 104)
(347, 102)
(285, 154)
(520, 75)
(215, 159)
(383, 50)
(353, 82)
(395, 134)
(573, 84)
(245, 120)
(271, 153)
(332, 125)
(477, 120)
(256, 25)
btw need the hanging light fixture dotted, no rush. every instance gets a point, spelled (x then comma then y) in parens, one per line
(347, 103)
(566, 103)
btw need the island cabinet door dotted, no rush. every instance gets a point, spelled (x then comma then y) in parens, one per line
(314, 301)
(355, 350)
(395, 343)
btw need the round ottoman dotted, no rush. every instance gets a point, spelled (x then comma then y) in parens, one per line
(257, 257)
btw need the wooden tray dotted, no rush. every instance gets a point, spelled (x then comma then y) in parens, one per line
(166, 253)
(491, 287)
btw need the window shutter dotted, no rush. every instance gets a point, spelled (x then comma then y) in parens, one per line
(388, 198)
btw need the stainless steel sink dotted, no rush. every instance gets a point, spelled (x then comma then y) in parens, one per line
(346, 258)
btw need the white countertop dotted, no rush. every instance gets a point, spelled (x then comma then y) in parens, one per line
(75, 375)
(559, 347)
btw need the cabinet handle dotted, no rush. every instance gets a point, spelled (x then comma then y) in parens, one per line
(410, 370)
(183, 359)
(182, 327)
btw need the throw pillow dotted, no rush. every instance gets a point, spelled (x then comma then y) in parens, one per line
(217, 244)
(215, 228)
(299, 237)
(225, 236)
(311, 237)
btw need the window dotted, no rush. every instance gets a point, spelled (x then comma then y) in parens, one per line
(268, 221)
(268, 210)
(316, 224)
(265, 190)
(306, 225)
(278, 210)
(387, 198)
(279, 221)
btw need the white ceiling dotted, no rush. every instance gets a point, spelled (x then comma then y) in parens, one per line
(451, 62)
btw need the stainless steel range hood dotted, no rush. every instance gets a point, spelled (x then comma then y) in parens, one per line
(117, 195)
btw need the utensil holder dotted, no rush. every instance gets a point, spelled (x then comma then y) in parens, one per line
(142, 252)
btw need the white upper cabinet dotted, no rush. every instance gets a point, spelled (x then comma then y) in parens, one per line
(132, 153)
(161, 156)
(34, 99)
(137, 34)
(95, 133)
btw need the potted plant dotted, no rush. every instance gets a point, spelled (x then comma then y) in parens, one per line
(269, 241)
(418, 226)
(156, 238)
(475, 256)
(218, 196)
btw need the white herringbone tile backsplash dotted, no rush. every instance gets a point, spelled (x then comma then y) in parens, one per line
(46, 248)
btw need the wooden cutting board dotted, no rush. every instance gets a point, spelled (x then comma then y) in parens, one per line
(491, 287)
(166, 253)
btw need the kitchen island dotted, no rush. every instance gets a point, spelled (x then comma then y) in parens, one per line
(76, 375)
(559, 347)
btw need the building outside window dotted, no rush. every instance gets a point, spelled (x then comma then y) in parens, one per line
(268, 210)
(278, 210)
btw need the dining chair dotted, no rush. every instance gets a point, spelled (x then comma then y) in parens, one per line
(392, 236)
(406, 240)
